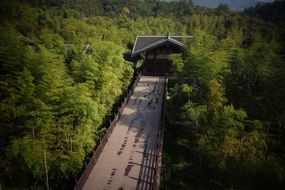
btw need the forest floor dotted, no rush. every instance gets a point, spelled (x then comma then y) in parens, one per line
(128, 159)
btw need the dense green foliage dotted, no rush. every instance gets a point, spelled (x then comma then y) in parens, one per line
(59, 82)
(226, 110)
(62, 71)
(61, 74)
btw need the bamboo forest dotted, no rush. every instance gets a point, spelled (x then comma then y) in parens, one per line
(63, 76)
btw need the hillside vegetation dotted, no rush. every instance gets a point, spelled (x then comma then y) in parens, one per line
(62, 74)
(226, 111)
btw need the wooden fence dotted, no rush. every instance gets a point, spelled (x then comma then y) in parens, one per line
(160, 134)
(88, 167)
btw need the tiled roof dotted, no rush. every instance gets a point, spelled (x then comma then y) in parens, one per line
(144, 43)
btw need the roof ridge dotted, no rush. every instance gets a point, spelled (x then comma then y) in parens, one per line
(183, 36)
(150, 36)
(172, 40)
(170, 36)
(135, 44)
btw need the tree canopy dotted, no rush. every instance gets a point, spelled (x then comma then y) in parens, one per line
(62, 71)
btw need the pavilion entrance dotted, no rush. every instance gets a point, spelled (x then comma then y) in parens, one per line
(156, 51)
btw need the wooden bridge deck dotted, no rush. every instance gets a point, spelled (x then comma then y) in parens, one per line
(128, 158)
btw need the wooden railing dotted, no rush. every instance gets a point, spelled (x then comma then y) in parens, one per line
(88, 167)
(160, 134)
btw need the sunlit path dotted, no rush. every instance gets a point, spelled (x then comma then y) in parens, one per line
(128, 159)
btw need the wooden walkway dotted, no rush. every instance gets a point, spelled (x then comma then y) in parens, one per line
(128, 160)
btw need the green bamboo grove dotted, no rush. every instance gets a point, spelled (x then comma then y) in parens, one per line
(62, 72)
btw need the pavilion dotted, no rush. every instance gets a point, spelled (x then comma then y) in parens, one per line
(156, 51)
